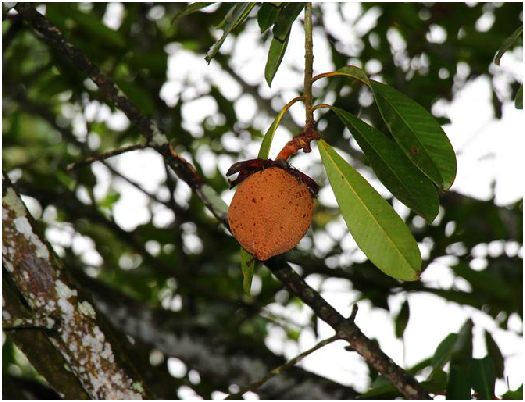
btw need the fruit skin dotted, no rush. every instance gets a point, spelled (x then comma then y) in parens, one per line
(270, 212)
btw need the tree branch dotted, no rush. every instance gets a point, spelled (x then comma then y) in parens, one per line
(308, 63)
(406, 384)
(89, 350)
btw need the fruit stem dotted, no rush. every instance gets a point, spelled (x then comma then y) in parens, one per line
(308, 64)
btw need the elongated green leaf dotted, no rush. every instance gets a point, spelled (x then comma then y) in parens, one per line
(414, 129)
(404, 180)
(518, 100)
(267, 15)
(376, 228)
(495, 354)
(402, 319)
(275, 56)
(508, 44)
(264, 151)
(190, 9)
(444, 351)
(248, 266)
(482, 377)
(236, 16)
(284, 23)
(458, 387)
(418, 133)
(281, 35)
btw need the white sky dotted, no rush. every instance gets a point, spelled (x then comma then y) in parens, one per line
(489, 150)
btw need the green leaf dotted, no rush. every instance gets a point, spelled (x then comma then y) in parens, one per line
(399, 175)
(402, 319)
(483, 378)
(287, 16)
(275, 56)
(235, 17)
(281, 35)
(414, 129)
(458, 386)
(247, 265)
(267, 15)
(495, 354)
(190, 9)
(518, 100)
(376, 228)
(444, 351)
(508, 44)
(514, 395)
(418, 133)
(264, 151)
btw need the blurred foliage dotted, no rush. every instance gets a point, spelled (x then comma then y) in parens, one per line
(183, 262)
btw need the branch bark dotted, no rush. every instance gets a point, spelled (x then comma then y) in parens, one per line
(406, 384)
(88, 350)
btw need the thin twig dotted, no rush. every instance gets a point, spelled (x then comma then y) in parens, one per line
(281, 368)
(106, 155)
(308, 63)
(321, 106)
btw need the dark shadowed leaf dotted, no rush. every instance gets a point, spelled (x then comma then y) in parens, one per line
(286, 19)
(375, 226)
(516, 395)
(404, 180)
(402, 319)
(508, 44)
(482, 377)
(444, 351)
(458, 387)
(275, 56)
(235, 16)
(267, 15)
(495, 354)
(518, 100)
(190, 9)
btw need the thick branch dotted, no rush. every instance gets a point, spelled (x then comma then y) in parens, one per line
(90, 352)
(346, 330)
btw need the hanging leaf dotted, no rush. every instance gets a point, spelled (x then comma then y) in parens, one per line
(235, 17)
(508, 44)
(267, 15)
(495, 354)
(284, 23)
(376, 228)
(266, 144)
(414, 129)
(190, 9)
(444, 352)
(248, 266)
(402, 319)
(281, 35)
(518, 100)
(483, 378)
(399, 175)
(418, 133)
(458, 388)
(275, 57)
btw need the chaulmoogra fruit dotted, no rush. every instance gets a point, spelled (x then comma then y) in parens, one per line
(272, 210)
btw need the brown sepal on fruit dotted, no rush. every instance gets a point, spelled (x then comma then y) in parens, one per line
(251, 166)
